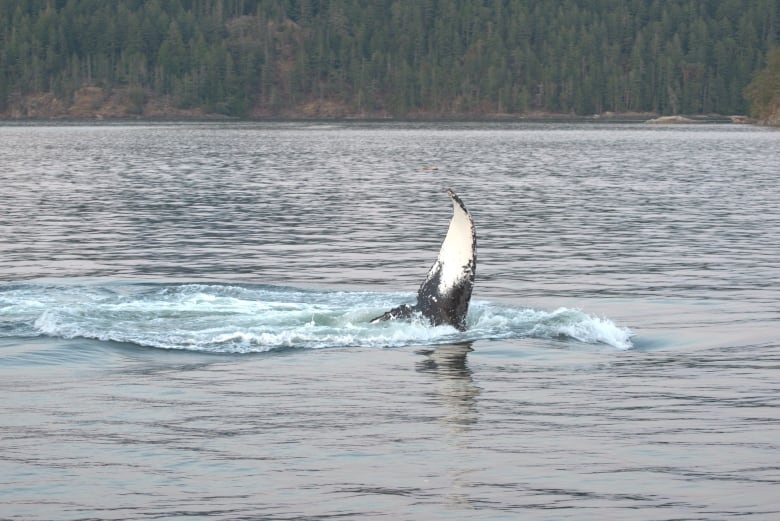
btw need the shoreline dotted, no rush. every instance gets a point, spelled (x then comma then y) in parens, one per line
(629, 117)
(97, 104)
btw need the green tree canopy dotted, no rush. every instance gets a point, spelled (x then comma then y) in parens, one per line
(764, 91)
(273, 57)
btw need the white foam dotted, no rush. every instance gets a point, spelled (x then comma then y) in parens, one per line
(591, 329)
(509, 322)
(222, 318)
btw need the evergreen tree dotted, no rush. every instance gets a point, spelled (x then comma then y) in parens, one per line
(764, 91)
(244, 57)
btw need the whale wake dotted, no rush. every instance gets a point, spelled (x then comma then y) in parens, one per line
(229, 318)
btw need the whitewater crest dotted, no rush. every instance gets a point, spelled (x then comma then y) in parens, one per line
(224, 318)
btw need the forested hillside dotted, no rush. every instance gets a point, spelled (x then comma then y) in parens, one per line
(382, 57)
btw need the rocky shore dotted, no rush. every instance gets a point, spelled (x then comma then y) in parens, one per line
(94, 102)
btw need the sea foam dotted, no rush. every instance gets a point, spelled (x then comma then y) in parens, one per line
(245, 318)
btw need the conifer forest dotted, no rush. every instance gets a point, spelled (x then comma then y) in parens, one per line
(394, 58)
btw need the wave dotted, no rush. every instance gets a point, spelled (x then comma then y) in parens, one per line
(223, 318)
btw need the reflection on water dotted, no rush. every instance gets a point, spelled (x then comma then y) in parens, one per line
(447, 360)
(454, 382)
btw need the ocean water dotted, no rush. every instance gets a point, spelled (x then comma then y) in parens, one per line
(185, 322)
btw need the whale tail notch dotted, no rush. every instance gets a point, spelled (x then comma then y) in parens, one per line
(444, 295)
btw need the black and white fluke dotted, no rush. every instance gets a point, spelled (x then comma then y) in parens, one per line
(444, 296)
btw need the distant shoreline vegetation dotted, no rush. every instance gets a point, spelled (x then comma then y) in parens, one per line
(94, 104)
(764, 92)
(354, 59)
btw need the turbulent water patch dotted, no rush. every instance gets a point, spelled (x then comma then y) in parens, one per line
(253, 318)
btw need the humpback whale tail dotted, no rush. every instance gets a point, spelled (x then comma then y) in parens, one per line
(445, 293)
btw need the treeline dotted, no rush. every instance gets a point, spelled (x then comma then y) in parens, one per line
(438, 57)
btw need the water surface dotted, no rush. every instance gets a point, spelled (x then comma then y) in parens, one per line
(184, 307)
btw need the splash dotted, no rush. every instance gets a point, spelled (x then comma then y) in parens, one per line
(251, 318)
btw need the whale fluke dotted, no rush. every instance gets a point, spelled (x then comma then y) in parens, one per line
(445, 293)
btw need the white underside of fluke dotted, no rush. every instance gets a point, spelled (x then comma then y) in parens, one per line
(457, 251)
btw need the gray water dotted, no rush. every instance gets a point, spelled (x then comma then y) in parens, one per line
(184, 322)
